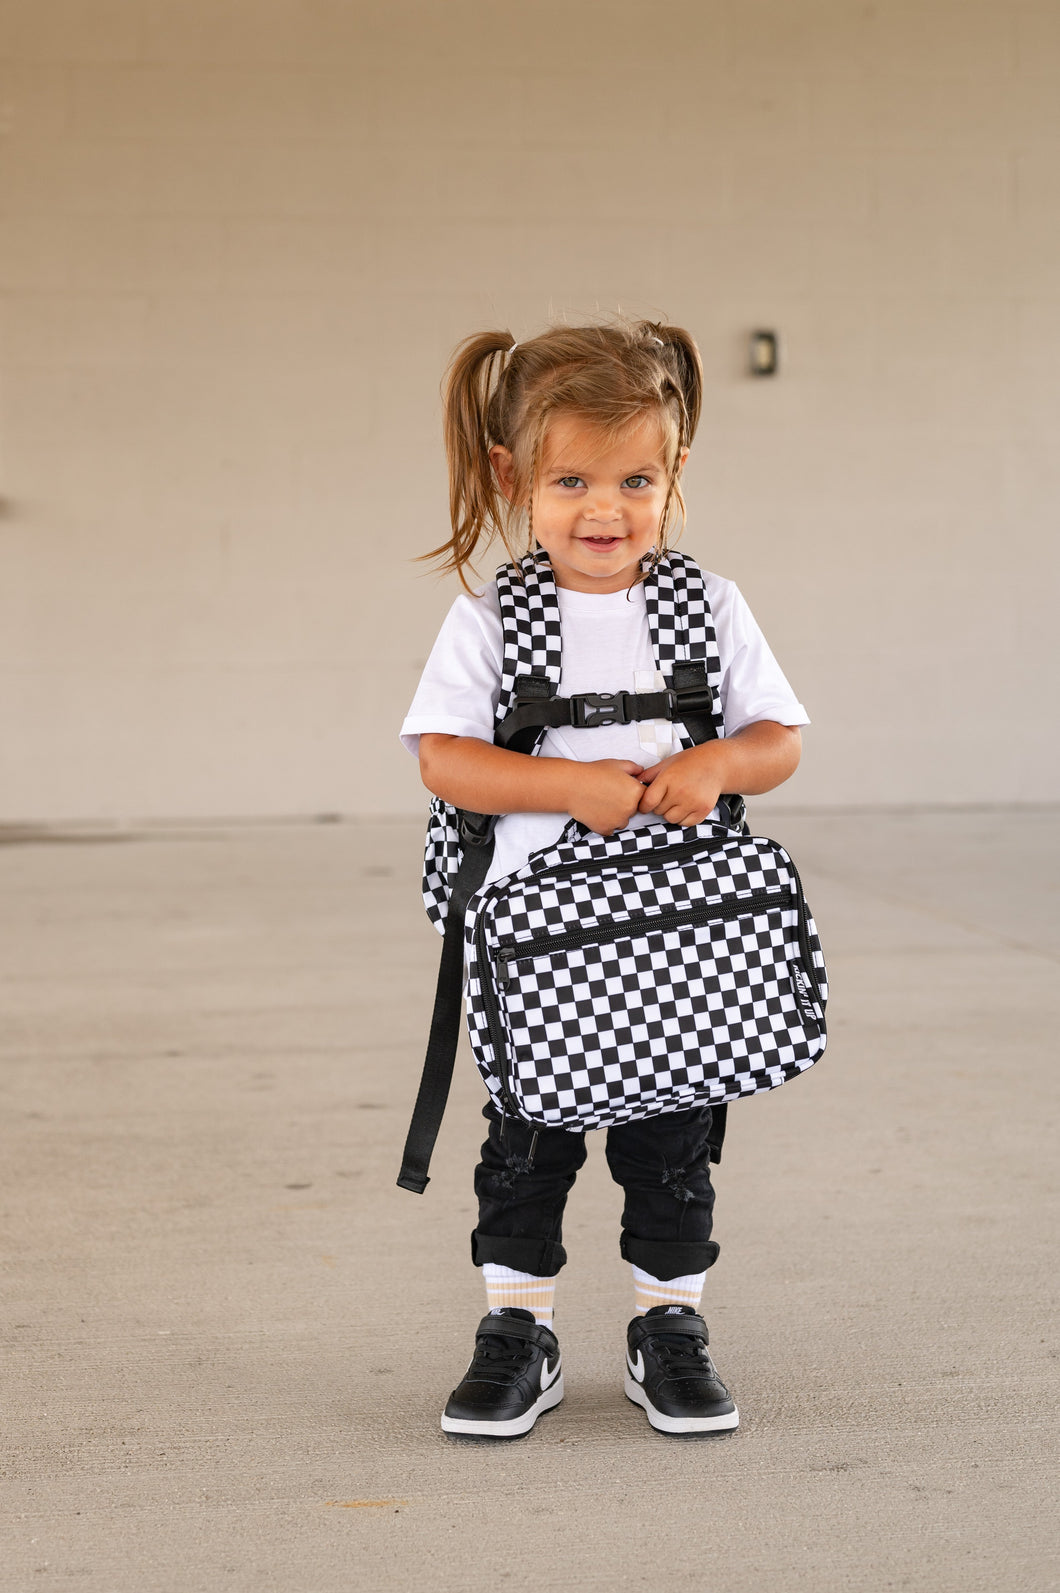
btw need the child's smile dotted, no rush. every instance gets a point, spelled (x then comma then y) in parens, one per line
(597, 505)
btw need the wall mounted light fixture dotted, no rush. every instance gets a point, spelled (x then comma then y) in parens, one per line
(764, 355)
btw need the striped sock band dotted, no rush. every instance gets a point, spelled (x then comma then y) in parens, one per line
(505, 1286)
(669, 1291)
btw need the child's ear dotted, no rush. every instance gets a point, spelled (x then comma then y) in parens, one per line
(682, 460)
(501, 460)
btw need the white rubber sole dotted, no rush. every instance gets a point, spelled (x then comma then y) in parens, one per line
(679, 1424)
(510, 1429)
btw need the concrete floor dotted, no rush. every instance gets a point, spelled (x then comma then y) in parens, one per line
(228, 1335)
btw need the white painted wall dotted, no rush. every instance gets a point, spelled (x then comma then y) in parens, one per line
(240, 237)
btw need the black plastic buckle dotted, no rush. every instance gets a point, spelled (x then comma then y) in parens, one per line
(476, 829)
(734, 810)
(533, 688)
(594, 708)
(693, 700)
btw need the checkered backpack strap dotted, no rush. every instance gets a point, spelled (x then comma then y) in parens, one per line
(683, 638)
(531, 628)
(530, 652)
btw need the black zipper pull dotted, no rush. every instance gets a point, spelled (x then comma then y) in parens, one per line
(502, 976)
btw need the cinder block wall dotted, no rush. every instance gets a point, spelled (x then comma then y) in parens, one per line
(239, 238)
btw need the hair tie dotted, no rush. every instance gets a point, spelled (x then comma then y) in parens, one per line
(659, 341)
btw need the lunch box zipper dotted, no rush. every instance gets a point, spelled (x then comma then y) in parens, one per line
(643, 923)
(675, 918)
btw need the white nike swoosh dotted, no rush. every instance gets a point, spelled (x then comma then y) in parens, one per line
(636, 1368)
(547, 1377)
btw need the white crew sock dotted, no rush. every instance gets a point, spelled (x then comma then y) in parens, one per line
(667, 1291)
(505, 1286)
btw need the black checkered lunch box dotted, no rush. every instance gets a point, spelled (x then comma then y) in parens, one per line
(656, 969)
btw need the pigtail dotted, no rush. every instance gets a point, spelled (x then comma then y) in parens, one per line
(681, 357)
(681, 347)
(469, 393)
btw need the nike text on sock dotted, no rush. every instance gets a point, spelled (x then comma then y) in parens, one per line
(506, 1286)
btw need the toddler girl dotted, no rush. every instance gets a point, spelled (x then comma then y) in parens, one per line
(574, 443)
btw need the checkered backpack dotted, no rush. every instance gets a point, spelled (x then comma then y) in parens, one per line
(623, 976)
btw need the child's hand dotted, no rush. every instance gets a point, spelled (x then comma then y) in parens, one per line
(605, 794)
(683, 788)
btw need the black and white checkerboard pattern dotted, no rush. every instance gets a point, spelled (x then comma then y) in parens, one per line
(682, 631)
(682, 627)
(531, 626)
(655, 1021)
(441, 859)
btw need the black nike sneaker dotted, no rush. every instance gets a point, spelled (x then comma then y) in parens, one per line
(669, 1373)
(514, 1376)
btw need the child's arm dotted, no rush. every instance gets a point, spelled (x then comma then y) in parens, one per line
(486, 779)
(685, 787)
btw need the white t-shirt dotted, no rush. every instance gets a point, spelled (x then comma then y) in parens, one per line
(606, 647)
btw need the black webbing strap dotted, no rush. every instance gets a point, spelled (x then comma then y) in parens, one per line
(698, 716)
(476, 833)
(537, 709)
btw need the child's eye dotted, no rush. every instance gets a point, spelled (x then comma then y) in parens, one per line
(570, 481)
(636, 481)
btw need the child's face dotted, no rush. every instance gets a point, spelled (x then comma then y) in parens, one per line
(597, 506)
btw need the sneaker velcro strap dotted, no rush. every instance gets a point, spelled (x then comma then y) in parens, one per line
(663, 1326)
(513, 1327)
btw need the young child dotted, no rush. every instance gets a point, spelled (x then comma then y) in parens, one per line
(574, 442)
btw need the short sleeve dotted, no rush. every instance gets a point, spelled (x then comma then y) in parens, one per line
(461, 681)
(753, 685)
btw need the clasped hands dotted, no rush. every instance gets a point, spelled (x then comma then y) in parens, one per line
(683, 789)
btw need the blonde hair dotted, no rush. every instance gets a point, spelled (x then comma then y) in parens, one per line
(499, 392)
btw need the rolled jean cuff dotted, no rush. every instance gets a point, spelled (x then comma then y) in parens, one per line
(542, 1258)
(665, 1258)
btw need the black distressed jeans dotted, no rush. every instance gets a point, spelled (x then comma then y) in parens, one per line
(662, 1164)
